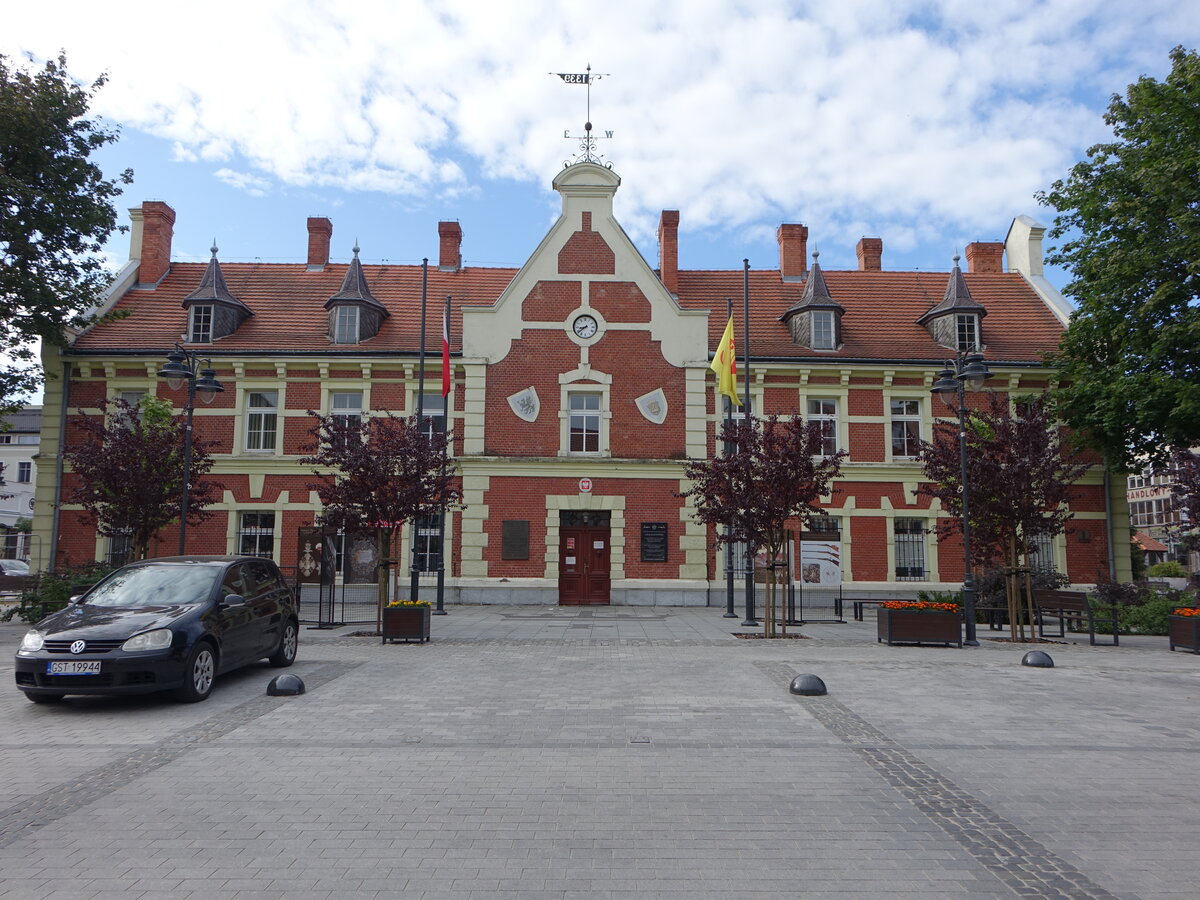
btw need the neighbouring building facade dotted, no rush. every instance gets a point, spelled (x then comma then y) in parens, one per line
(20, 433)
(579, 385)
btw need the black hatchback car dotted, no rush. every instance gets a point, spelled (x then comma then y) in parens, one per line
(162, 624)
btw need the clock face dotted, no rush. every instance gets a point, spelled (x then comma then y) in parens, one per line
(585, 326)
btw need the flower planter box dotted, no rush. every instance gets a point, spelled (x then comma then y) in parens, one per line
(908, 626)
(1184, 631)
(406, 623)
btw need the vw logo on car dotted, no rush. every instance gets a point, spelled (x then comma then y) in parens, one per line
(171, 624)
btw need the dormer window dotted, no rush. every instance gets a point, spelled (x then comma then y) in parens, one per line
(823, 329)
(200, 321)
(967, 332)
(815, 321)
(345, 324)
(213, 312)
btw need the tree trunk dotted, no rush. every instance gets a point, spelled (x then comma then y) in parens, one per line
(381, 573)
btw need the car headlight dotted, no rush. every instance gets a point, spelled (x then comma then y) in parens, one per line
(150, 640)
(33, 640)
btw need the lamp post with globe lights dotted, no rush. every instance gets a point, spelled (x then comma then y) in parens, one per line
(966, 372)
(182, 368)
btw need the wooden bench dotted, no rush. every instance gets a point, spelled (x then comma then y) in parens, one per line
(1073, 607)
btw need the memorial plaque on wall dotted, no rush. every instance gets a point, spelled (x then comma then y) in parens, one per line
(654, 542)
(514, 541)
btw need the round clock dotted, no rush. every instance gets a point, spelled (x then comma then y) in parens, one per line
(584, 326)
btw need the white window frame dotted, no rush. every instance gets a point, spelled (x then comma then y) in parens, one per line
(827, 330)
(24, 472)
(346, 405)
(584, 380)
(825, 411)
(908, 419)
(345, 325)
(580, 409)
(963, 323)
(433, 414)
(200, 323)
(257, 418)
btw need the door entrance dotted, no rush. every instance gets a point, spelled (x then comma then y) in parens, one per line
(583, 558)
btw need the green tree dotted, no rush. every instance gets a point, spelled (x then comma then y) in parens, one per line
(56, 211)
(1130, 217)
(127, 470)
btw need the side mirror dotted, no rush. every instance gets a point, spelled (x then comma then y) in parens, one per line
(75, 599)
(232, 600)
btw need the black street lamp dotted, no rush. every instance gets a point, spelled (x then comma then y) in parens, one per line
(182, 367)
(966, 372)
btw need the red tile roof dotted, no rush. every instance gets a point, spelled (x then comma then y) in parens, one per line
(880, 321)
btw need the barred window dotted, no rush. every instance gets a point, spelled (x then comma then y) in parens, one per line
(428, 555)
(909, 539)
(257, 534)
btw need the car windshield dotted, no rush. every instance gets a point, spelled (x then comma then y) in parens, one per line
(14, 567)
(164, 585)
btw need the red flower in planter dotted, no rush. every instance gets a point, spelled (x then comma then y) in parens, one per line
(921, 606)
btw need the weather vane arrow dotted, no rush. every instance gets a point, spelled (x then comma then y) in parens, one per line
(587, 141)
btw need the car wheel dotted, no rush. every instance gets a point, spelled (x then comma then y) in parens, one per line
(198, 674)
(42, 697)
(285, 653)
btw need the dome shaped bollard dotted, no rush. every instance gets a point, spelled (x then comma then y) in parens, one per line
(808, 686)
(1037, 659)
(285, 686)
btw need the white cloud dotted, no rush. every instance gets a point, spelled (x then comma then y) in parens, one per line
(864, 114)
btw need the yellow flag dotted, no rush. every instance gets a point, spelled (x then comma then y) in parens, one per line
(725, 365)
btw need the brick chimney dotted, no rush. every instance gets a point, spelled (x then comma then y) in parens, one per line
(870, 254)
(156, 228)
(320, 230)
(793, 250)
(668, 250)
(985, 257)
(450, 246)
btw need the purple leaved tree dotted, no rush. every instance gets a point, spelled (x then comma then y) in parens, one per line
(376, 474)
(1021, 475)
(774, 473)
(127, 471)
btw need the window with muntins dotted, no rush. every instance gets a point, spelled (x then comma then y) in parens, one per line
(909, 540)
(433, 414)
(824, 412)
(24, 472)
(822, 330)
(584, 422)
(257, 534)
(906, 428)
(966, 331)
(200, 324)
(345, 324)
(261, 420)
(347, 406)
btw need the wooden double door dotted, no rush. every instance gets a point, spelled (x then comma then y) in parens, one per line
(584, 554)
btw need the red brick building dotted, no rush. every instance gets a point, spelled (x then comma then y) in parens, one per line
(580, 383)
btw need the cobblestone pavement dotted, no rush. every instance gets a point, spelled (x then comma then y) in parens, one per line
(531, 752)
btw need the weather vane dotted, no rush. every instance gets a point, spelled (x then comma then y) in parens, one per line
(587, 141)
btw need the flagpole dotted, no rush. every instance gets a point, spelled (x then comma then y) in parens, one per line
(441, 569)
(729, 562)
(749, 421)
(414, 585)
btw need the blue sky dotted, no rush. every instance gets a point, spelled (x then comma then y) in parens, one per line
(929, 125)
